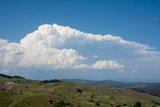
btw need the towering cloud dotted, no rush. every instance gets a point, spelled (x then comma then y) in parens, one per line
(53, 47)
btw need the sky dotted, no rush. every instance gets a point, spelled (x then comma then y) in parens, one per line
(87, 39)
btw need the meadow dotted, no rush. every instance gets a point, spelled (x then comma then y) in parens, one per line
(56, 93)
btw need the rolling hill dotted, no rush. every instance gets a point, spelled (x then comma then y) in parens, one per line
(21, 92)
(144, 87)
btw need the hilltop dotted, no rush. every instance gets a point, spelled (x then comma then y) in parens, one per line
(144, 87)
(59, 93)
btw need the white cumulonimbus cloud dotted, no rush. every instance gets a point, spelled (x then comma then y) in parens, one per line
(57, 47)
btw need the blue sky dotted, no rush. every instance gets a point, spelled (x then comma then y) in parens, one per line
(131, 20)
(135, 20)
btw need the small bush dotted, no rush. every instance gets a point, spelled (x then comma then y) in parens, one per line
(97, 104)
(79, 105)
(50, 101)
(137, 104)
(61, 104)
(28, 103)
(156, 103)
(112, 98)
(91, 101)
(118, 106)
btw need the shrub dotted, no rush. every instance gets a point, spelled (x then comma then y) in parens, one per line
(61, 104)
(28, 103)
(118, 106)
(50, 101)
(112, 98)
(137, 104)
(79, 105)
(97, 104)
(79, 90)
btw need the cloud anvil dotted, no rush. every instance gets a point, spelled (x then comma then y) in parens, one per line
(60, 47)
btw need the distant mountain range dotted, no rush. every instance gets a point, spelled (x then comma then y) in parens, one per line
(10, 77)
(145, 87)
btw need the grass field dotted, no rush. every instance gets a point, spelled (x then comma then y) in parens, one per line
(31, 93)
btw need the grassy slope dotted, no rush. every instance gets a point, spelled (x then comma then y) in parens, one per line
(36, 95)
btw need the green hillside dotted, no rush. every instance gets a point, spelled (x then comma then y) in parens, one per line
(20, 92)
